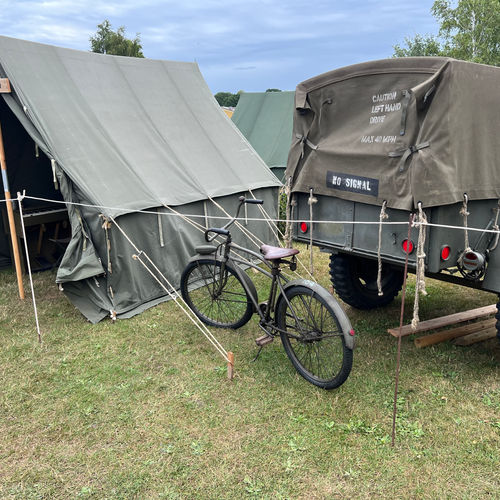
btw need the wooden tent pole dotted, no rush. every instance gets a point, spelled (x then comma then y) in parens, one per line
(10, 215)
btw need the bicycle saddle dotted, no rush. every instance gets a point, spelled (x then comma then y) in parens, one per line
(274, 253)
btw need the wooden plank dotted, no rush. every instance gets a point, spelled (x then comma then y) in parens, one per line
(433, 324)
(473, 338)
(4, 86)
(435, 338)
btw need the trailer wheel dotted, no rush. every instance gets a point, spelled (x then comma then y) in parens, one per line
(355, 281)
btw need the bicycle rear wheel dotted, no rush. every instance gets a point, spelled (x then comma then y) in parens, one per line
(314, 341)
(216, 296)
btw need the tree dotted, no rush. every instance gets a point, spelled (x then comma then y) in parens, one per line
(107, 41)
(228, 99)
(418, 46)
(469, 30)
(273, 90)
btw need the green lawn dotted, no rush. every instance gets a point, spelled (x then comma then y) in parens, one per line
(142, 408)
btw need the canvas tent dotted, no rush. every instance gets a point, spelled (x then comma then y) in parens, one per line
(127, 135)
(266, 120)
(403, 130)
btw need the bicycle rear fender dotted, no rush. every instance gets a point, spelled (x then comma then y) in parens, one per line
(343, 320)
(248, 283)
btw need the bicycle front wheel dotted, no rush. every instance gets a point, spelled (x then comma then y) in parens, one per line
(313, 341)
(216, 294)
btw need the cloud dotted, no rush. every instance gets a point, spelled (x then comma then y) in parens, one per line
(238, 45)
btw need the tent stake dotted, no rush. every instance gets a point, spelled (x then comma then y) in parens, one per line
(10, 215)
(230, 365)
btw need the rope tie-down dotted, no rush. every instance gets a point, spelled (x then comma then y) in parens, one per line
(177, 298)
(383, 216)
(465, 213)
(311, 201)
(420, 270)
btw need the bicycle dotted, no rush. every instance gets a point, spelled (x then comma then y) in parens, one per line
(314, 329)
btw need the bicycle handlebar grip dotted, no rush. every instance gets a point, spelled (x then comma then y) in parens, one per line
(254, 201)
(216, 230)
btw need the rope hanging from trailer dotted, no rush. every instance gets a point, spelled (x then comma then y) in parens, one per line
(465, 214)
(420, 270)
(311, 201)
(383, 216)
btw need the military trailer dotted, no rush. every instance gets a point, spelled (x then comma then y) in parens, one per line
(390, 136)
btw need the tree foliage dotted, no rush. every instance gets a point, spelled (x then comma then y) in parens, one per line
(471, 30)
(107, 41)
(273, 90)
(228, 99)
(468, 30)
(418, 46)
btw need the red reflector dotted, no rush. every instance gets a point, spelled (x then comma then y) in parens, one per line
(471, 256)
(445, 253)
(351, 332)
(407, 246)
(303, 227)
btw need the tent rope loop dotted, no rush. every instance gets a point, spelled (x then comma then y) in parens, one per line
(54, 177)
(420, 271)
(383, 216)
(106, 225)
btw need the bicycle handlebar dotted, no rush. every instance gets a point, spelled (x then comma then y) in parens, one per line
(216, 230)
(223, 230)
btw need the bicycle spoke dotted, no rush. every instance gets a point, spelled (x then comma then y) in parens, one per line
(314, 341)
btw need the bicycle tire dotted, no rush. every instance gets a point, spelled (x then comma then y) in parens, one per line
(229, 307)
(319, 354)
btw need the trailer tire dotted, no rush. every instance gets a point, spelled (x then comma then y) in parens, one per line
(355, 281)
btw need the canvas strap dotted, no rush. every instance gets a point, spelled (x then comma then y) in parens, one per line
(404, 110)
(406, 153)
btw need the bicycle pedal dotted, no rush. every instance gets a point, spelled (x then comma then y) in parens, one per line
(264, 340)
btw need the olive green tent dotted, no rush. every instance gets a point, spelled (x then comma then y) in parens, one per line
(126, 135)
(266, 120)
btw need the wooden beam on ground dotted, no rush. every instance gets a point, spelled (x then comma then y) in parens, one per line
(435, 338)
(433, 324)
(473, 338)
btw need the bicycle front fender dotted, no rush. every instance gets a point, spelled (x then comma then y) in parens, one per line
(342, 318)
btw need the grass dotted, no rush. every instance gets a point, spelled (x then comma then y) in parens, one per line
(142, 409)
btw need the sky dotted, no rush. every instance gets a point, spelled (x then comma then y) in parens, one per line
(250, 46)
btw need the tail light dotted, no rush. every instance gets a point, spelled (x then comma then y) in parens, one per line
(407, 246)
(473, 261)
(304, 227)
(445, 252)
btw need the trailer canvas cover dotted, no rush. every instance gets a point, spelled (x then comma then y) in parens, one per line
(129, 134)
(401, 130)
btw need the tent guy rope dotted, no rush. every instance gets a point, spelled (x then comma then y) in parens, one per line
(294, 221)
(173, 294)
